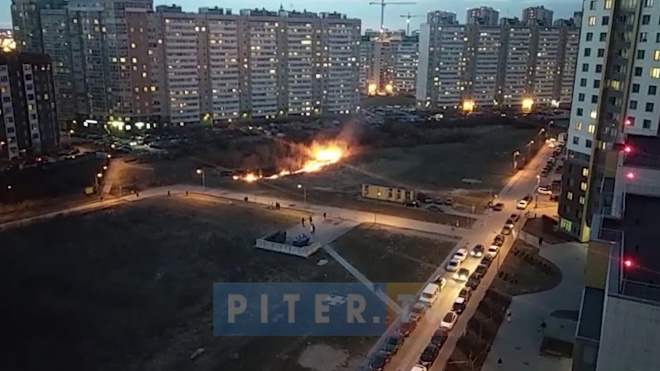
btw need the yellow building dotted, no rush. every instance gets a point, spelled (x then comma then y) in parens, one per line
(387, 193)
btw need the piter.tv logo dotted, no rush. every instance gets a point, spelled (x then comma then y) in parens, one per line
(294, 309)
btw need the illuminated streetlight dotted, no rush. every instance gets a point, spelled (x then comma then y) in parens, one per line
(99, 175)
(300, 186)
(201, 172)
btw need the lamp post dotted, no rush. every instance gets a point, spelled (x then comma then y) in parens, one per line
(538, 183)
(300, 186)
(96, 181)
(515, 160)
(201, 172)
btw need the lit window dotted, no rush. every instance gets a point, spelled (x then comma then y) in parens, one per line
(132, 45)
(569, 196)
(655, 73)
(583, 186)
(592, 21)
(581, 200)
(608, 4)
(591, 128)
(578, 126)
(585, 171)
(592, 114)
(656, 55)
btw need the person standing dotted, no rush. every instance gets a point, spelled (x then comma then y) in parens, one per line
(508, 315)
(302, 220)
(499, 363)
(324, 216)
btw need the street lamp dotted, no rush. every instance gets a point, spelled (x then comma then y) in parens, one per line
(300, 186)
(515, 160)
(96, 180)
(201, 172)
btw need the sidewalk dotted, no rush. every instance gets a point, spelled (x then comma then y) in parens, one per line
(518, 343)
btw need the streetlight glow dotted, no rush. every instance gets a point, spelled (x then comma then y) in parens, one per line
(99, 175)
(199, 171)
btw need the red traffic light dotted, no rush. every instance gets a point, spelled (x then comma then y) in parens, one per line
(627, 263)
(627, 149)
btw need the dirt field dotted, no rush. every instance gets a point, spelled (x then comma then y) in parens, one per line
(129, 288)
(385, 254)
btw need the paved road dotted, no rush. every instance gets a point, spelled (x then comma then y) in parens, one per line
(483, 233)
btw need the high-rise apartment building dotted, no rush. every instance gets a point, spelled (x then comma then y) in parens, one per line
(483, 15)
(610, 185)
(537, 16)
(495, 65)
(28, 120)
(388, 62)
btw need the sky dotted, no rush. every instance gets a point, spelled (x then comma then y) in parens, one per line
(370, 14)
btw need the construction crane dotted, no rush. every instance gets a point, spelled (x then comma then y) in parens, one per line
(382, 4)
(407, 17)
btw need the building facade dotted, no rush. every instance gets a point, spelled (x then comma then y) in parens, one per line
(388, 63)
(28, 118)
(495, 65)
(121, 62)
(483, 15)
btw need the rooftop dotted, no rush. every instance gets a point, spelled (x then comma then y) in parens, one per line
(645, 151)
(640, 227)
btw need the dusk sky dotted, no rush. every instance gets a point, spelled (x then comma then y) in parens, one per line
(370, 15)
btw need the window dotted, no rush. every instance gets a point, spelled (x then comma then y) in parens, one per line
(576, 140)
(635, 88)
(567, 225)
(630, 121)
(608, 4)
(583, 82)
(585, 172)
(657, 37)
(587, 52)
(592, 5)
(591, 128)
(601, 53)
(655, 72)
(646, 19)
(633, 104)
(640, 54)
(581, 200)
(585, 67)
(569, 196)
(578, 126)
(652, 89)
(579, 111)
(581, 97)
(583, 186)
(603, 36)
(590, 36)
(591, 21)
(638, 71)
(593, 114)
(649, 107)
(648, 3)
(643, 36)
(605, 21)
(656, 55)
(587, 143)
(596, 84)
(646, 124)
(594, 99)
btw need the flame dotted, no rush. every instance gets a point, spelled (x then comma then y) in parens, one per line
(318, 157)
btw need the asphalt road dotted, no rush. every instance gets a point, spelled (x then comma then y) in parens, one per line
(523, 183)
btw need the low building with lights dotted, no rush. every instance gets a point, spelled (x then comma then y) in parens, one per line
(388, 193)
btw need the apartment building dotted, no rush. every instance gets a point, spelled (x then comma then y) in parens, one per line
(483, 15)
(537, 16)
(495, 65)
(388, 62)
(28, 119)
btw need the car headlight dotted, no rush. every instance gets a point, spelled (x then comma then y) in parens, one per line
(455, 275)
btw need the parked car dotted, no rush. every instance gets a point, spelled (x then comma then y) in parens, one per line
(439, 337)
(515, 217)
(393, 343)
(506, 230)
(453, 265)
(466, 293)
(522, 204)
(462, 274)
(544, 191)
(449, 320)
(481, 269)
(493, 250)
(407, 327)
(438, 201)
(429, 355)
(440, 281)
(459, 305)
(474, 281)
(499, 240)
(434, 208)
(461, 254)
(430, 294)
(411, 203)
(417, 312)
(509, 223)
(419, 368)
(449, 201)
(487, 260)
(379, 360)
(498, 207)
(477, 251)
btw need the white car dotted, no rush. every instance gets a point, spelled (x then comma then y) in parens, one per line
(453, 265)
(522, 204)
(419, 368)
(418, 310)
(493, 250)
(544, 191)
(461, 255)
(449, 320)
